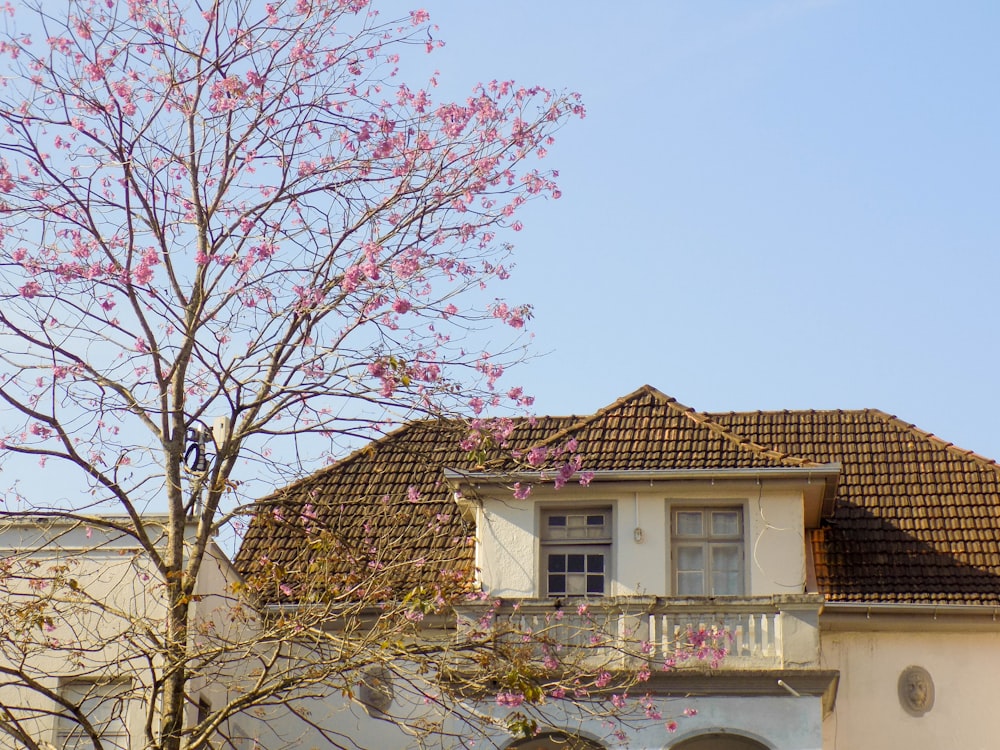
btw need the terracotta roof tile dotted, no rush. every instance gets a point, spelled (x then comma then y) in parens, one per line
(916, 519)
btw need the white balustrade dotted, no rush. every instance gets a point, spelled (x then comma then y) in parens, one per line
(744, 633)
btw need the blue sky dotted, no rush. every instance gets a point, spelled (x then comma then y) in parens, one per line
(771, 204)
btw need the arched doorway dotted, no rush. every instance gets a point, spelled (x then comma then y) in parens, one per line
(719, 741)
(556, 741)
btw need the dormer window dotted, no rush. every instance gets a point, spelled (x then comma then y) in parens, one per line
(576, 551)
(707, 551)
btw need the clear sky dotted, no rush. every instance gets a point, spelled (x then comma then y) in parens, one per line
(771, 204)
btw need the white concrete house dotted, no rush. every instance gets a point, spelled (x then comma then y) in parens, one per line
(853, 560)
(81, 612)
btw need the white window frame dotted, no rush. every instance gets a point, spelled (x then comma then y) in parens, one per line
(578, 543)
(708, 542)
(105, 703)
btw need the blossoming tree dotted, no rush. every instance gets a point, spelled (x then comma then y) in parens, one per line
(232, 240)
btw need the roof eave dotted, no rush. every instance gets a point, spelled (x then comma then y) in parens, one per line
(821, 502)
(906, 616)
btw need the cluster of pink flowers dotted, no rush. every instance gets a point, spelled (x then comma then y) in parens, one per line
(509, 699)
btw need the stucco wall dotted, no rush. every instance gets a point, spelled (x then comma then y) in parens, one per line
(777, 723)
(774, 547)
(104, 608)
(868, 713)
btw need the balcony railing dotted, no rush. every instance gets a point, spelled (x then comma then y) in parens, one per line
(774, 632)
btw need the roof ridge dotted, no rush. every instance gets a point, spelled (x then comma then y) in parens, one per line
(749, 412)
(701, 418)
(644, 390)
(940, 442)
(759, 449)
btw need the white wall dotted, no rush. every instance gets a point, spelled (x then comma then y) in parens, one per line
(101, 602)
(868, 714)
(778, 723)
(774, 553)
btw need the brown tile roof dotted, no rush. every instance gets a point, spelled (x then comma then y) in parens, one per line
(648, 430)
(916, 519)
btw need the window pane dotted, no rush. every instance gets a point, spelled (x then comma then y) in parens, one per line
(557, 563)
(595, 563)
(556, 527)
(725, 523)
(575, 585)
(726, 584)
(726, 557)
(557, 584)
(689, 523)
(727, 569)
(574, 563)
(690, 558)
(690, 583)
(595, 584)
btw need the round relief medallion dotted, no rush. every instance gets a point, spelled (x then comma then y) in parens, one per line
(916, 690)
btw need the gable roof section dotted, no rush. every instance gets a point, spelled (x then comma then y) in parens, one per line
(647, 430)
(916, 519)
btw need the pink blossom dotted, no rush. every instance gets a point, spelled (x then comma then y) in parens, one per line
(31, 289)
(538, 455)
(6, 181)
(510, 699)
(352, 278)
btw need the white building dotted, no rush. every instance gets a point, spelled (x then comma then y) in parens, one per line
(853, 558)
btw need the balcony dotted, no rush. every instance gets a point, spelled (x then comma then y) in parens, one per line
(756, 634)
